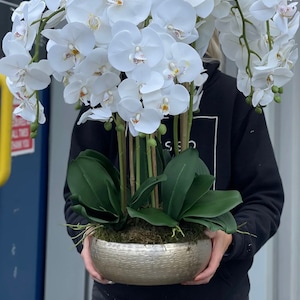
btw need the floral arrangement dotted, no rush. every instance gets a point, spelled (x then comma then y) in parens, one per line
(131, 63)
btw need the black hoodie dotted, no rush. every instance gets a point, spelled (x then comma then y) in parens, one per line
(233, 141)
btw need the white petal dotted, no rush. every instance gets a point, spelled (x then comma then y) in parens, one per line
(261, 12)
(37, 79)
(12, 64)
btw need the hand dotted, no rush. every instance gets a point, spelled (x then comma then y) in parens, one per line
(220, 243)
(86, 256)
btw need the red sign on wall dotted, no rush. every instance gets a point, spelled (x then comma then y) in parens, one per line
(22, 143)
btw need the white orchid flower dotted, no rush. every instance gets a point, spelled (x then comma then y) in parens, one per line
(102, 114)
(243, 82)
(283, 13)
(280, 56)
(18, 68)
(177, 18)
(234, 50)
(28, 107)
(96, 63)
(184, 63)
(29, 10)
(264, 77)
(79, 89)
(262, 97)
(131, 47)
(147, 79)
(68, 46)
(140, 117)
(221, 8)
(173, 100)
(145, 120)
(279, 10)
(203, 7)
(27, 110)
(54, 4)
(23, 33)
(92, 15)
(105, 91)
(11, 46)
(127, 10)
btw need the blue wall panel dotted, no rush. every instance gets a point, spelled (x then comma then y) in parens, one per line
(23, 202)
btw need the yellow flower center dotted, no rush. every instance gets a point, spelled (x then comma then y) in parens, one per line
(165, 105)
(94, 22)
(115, 2)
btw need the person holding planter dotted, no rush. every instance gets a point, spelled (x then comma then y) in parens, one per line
(233, 140)
(137, 66)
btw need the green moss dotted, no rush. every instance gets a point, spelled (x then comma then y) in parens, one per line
(144, 233)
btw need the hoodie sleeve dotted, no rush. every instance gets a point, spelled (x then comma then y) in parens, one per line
(255, 174)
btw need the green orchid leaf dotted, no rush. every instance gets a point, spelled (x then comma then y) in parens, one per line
(143, 165)
(76, 200)
(200, 186)
(95, 216)
(90, 180)
(181, 172)
(214, 203)
(141, 196)
(105, 162)
(225, 222)
(153, 216)
(163, 157)
(201, 168)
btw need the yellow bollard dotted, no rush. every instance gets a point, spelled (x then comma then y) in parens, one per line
(6, 105)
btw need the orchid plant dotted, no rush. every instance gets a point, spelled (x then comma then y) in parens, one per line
(131, 63)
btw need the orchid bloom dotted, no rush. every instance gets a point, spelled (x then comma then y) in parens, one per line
(102, 114)
(29, 107)
(18, 68)
(184, 63)
(173, 100)
(105, 91)
(96, 63)
(279, 10)
(54, 4)
(29, 10)
(126, 10)
(68, 46)
(140, 117)
(157, 44)
(131, 47)
(146, 79)
(203, 8)
(93, 16)
(79, 89)
(178, 18)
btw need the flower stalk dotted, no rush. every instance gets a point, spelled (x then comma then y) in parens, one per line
(120, 127)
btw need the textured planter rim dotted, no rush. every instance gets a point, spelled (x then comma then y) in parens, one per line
(157, 264)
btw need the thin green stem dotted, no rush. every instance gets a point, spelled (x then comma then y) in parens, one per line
(191, 89)
(175, 134)
(137, 162)
(149, 163)
(131, 164)
(244, 38)
(270, 41)
(183, 131)
(120, 127)
(43, 23)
